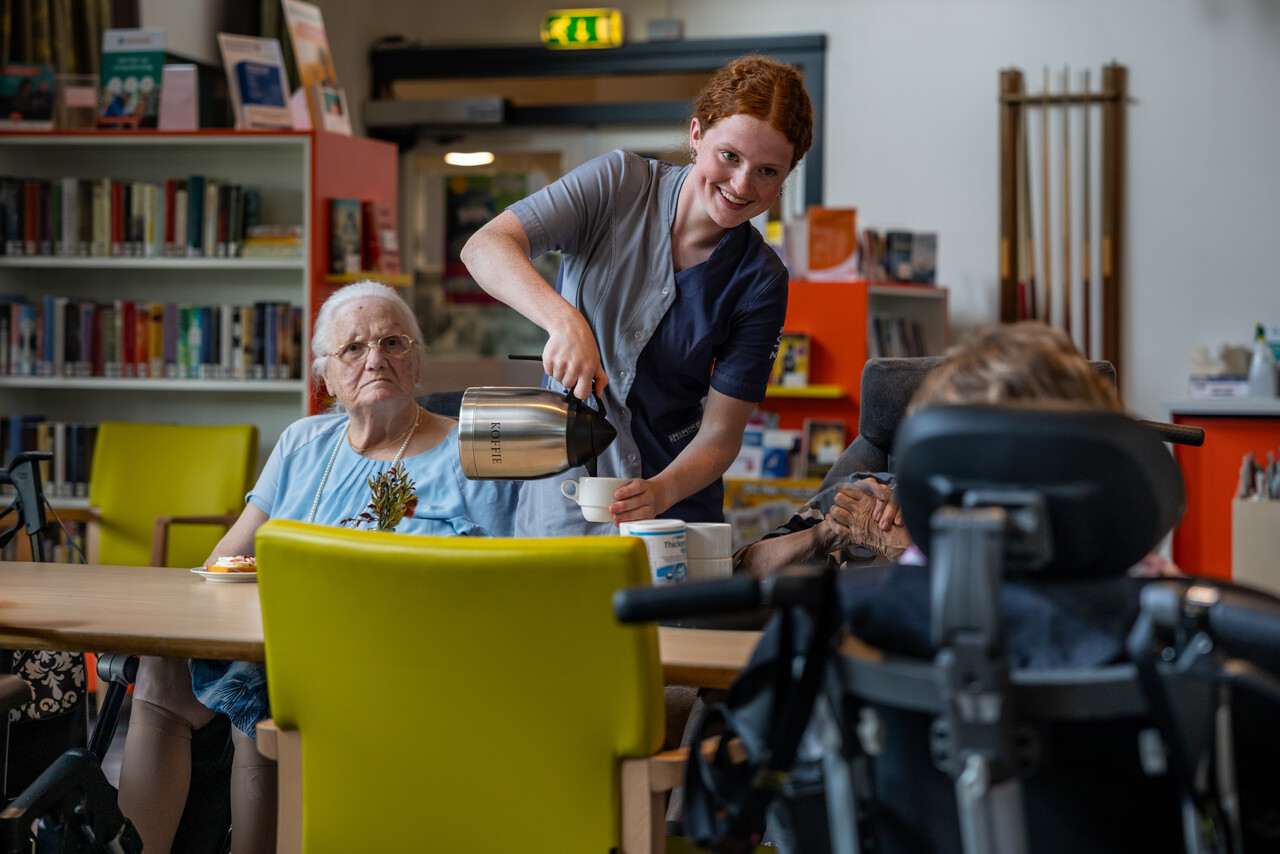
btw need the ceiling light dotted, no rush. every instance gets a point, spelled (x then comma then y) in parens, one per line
(469, 158)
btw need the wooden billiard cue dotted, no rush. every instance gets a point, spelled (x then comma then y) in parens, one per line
(1066, 200)
(1044, 201)
(1027, 251)
(1086, 285)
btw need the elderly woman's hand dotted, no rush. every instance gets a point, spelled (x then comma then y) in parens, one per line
(866, 514)
(886, 514)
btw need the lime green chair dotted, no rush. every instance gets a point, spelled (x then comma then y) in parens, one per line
(146, 477)
(459, 694)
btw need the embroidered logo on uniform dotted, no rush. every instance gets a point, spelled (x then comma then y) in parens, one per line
(684, 432)
(777, 345)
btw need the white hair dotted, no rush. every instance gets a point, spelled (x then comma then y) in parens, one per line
(322, 338)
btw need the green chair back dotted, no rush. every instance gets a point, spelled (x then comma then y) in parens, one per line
(457, 694)
(141, 471)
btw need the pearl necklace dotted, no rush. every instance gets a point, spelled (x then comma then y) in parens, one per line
(334, 454)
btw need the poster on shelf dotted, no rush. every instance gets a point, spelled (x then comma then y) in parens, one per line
(824, 441)
(257, 82)
(330, 104)
(130, 78)
(311, 53)
(791, 367)
(26, 97)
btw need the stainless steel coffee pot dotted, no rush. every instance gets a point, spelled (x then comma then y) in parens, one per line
(528, 433)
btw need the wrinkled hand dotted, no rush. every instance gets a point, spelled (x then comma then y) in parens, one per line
(637, 499)
(866, 513)
(886, 514)
(572, 358)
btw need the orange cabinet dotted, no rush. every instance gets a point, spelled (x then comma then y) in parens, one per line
(1211, 474)
(842, 319)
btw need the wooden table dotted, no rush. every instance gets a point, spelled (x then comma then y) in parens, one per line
(142, 610)
(146, 610)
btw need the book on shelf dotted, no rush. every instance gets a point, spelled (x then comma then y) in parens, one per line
(791, 367)
(924, 257)
(26, 96)
(11, 211)
(208, 240)
(345, 234)
(897, 255)
(895, 337)
(61, 338)
(180, 109)
(197, 216)
(273, 241)
(330, 104)
(66, 475)
(381, 243)
(832, 243)
(131, 73)
(824, 441)
(257, 82)
(73, 217)
(317, 77)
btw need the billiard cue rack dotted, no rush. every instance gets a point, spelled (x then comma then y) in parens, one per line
(1078, 287)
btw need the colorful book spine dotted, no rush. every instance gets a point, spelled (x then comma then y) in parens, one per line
(209, 240)
(171, 327)
(195, 216)
(117, 219)
(101, 247)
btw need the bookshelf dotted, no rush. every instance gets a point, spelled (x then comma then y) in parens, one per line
(296, 173)
(839, 318)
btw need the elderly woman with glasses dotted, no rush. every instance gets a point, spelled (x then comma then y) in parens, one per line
(367, 352)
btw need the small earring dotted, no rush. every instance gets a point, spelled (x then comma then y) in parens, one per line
(693, 154)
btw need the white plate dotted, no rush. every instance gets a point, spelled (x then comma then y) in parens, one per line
(226, 576)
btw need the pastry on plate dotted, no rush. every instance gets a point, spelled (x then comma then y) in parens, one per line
(234, 563)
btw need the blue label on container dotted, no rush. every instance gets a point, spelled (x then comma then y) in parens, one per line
(671, 574)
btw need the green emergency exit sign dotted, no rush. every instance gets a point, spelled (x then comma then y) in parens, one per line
(582, 28)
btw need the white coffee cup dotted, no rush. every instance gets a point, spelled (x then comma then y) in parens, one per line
(708, 539)
(593, 495)
(664, 541)
(707, 568)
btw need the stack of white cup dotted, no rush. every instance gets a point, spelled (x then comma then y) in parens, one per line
(709, 546)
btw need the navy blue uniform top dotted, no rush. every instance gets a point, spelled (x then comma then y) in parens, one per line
(701, 341)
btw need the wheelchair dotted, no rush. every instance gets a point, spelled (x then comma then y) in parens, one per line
(1022, 692)
(70, 804)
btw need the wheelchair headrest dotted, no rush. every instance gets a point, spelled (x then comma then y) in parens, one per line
(1111, 488)
(888, 385)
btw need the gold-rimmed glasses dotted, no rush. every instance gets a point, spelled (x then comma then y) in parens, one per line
(392, 346)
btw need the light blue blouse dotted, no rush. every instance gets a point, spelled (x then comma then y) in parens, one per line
(448, 505)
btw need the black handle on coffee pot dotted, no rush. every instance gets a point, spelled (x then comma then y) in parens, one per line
(602, 432)
(588, 432)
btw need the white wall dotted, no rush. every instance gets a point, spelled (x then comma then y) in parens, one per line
(912, 134)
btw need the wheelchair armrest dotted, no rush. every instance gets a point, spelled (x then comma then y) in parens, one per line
(160, 534)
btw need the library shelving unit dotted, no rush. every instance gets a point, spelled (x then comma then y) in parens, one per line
(296, 172)
(840, 318)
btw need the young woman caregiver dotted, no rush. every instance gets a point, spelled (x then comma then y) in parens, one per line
(663, 278)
